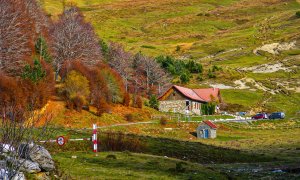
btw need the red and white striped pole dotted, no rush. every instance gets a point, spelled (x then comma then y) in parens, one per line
(95, 142)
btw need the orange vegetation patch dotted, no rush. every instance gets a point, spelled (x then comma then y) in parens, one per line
(61, 116)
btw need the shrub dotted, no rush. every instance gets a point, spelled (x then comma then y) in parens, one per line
(76, 87)
(153, 102)
(111, 156)
(129, 117)
(216, 68)
(78, 103)
(184, 78)
(208, 109)
(180, 167)
(163, 121)
(298, 14)
(102, 106)
(194, 67)
(211, 74)
(139, 102)
(199, 77)
(126, 101)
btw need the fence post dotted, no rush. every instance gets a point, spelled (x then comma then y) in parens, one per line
(95, 142)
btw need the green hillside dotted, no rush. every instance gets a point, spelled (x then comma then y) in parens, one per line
(200, 27)
(223, 33)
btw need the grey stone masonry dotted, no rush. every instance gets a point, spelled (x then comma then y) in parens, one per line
(177, 106)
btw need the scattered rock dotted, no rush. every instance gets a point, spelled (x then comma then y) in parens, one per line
(5, 148)
(19, 176)
(40, 155)
(29, 166)
(3, 174)
(267, 68)
(221, 86)
(275, 48)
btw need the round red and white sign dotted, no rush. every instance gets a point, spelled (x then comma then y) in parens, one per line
(60, 140)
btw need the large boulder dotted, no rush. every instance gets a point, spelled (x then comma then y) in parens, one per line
(3, 174)
(41, 156)
(19, 176)
(29, 166)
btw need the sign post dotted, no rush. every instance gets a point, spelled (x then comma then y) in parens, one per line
(60, 140)
(94, 138)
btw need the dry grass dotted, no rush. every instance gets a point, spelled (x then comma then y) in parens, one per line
(73, 119)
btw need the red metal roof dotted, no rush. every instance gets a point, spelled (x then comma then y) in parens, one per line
(210, 124)
(208, 93)
(202, 95)
(189, 93)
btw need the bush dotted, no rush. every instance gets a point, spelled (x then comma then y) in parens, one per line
(199, 77)
(102, 107)
(208, 109)
(180, 167)
(184, 78)
(163, 121)
(298, 14)
(111, 156)
(76, 89)
(139, 102)
(153, 102)
(78, 103)
(211, 74)
(216, 68)
(126, 101)
(129, 117)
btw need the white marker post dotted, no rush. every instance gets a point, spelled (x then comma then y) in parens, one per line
(95, 142)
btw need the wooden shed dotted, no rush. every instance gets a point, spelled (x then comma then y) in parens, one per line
(206, 130)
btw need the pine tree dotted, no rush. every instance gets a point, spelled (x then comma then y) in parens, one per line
(34, 73)
(41, 49)
(153, 102)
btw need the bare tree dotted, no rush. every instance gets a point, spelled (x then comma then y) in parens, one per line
(41, 21)
(156, 77)
(121, 61)
(16, 40)
(21, 21)
(74, 39)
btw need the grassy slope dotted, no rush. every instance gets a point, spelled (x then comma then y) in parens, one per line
(266, 136)
(129, 166)
(201, 28)
(168, 23)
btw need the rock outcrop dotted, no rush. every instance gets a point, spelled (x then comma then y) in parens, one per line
(41, 156)
(29, 166)
(275, 48)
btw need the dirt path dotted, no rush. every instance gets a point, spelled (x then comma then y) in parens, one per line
(126, 124)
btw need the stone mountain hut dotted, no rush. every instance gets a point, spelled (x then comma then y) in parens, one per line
(206, 130)
(183, 100)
